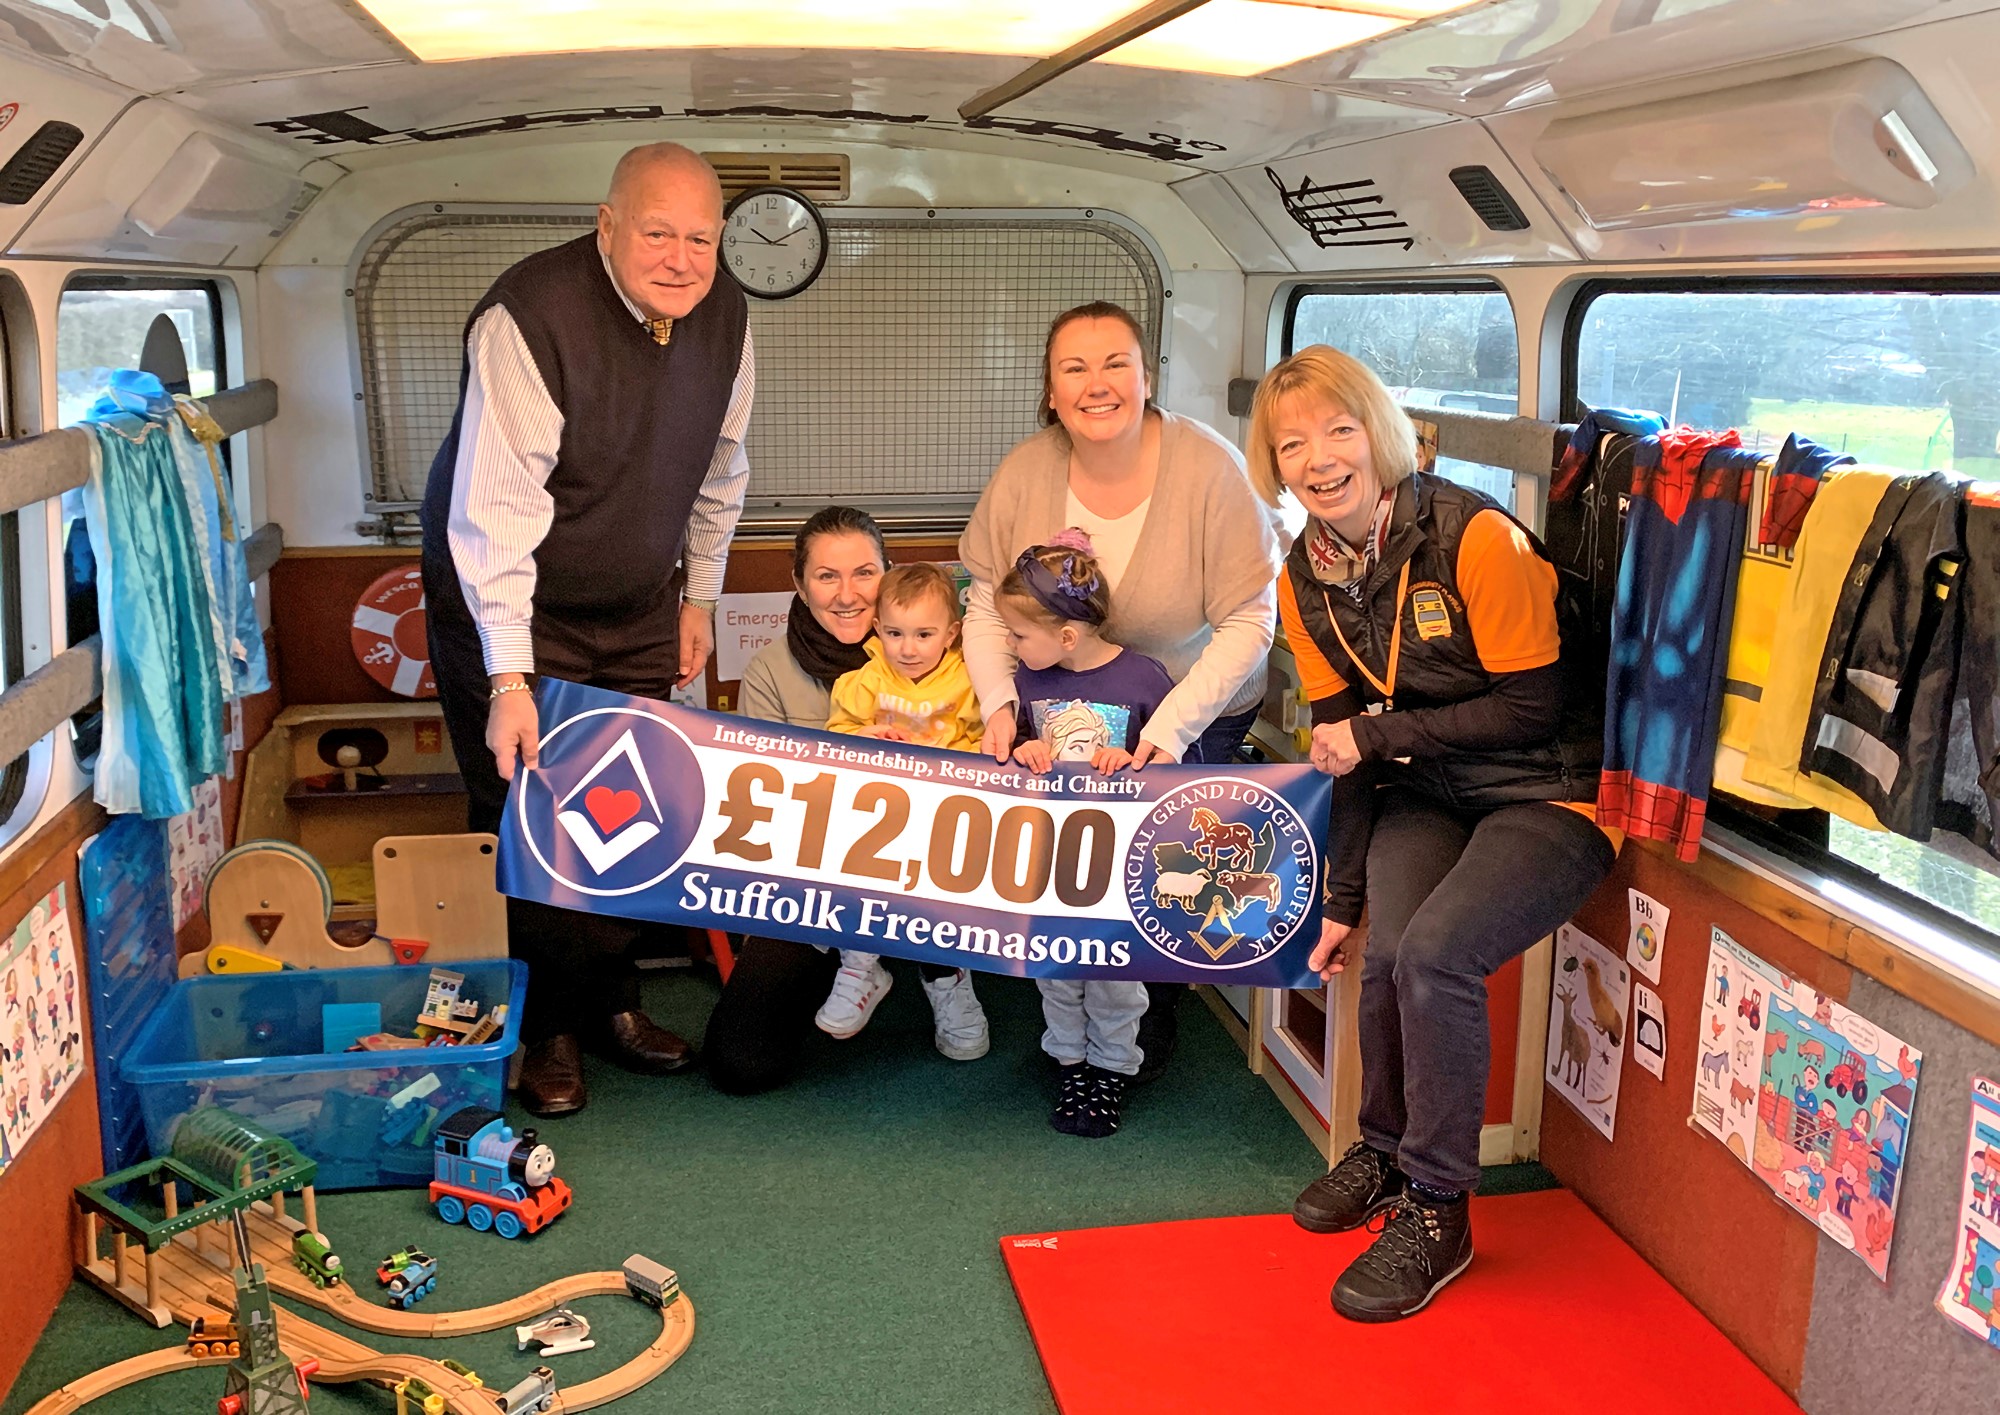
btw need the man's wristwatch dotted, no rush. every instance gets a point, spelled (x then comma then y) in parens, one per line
(707, 604)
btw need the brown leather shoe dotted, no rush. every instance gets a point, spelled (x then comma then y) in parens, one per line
(637, 1043)
(552, 1078)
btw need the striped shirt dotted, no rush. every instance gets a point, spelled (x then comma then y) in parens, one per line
(501, 509)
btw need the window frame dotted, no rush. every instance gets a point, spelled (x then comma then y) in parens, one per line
(1587, 292)
(1448, 285)
(1805, 863)
(1528, 487)
(88, 724)
(13, 662)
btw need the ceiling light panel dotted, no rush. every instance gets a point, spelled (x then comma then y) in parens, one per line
(441, 30)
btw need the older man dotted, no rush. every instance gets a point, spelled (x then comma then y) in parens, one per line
(576, 523)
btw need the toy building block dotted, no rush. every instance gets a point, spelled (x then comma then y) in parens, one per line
(441, 996)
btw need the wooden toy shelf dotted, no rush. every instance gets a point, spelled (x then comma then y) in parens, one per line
(308, 792)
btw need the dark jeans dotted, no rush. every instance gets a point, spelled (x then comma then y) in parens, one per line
(761, 1021)
(580, 969)
(1452, 895)
(1217, 744)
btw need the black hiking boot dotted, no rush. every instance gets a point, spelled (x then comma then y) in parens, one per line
(1365, 1183)
(1423, 1246)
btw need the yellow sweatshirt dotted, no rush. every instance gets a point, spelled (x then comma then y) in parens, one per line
(940, 711)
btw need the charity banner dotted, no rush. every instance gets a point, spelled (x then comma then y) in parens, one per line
(1174, 874)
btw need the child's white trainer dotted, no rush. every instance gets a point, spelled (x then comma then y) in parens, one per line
(961, 1021)
(858, 988)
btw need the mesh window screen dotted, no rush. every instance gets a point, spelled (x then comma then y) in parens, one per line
(905, 373)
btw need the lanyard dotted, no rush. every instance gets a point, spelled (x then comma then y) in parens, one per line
(1385, 686)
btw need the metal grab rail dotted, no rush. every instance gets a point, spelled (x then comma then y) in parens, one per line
(36, 468)
(48, 464)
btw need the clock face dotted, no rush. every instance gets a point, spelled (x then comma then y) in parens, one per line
(774, 243)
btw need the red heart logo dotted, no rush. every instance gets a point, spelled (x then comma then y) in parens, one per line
(610, 809)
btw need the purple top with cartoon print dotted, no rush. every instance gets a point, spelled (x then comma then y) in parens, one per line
(1078, 713)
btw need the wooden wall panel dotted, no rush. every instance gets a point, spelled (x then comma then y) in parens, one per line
(1676, 1195)
(65, 1151)
(313, 594)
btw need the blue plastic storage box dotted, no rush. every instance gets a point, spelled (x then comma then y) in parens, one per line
(252, 1044)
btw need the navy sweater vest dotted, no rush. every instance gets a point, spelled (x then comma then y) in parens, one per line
(640, 423)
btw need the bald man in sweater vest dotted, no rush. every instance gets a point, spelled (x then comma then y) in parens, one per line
(576, 523)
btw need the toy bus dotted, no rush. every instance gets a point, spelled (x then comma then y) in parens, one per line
(652, 1283)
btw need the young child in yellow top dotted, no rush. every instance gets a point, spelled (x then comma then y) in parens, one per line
(914, 688)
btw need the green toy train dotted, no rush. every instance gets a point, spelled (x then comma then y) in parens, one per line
(311, 1256)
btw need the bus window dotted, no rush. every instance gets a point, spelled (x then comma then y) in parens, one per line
(101, 324)
(1435, 345)
(1903, 375)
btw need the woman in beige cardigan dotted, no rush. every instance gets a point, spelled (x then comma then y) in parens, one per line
(1190, 551)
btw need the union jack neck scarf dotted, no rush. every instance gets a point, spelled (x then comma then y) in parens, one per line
(1337, 564)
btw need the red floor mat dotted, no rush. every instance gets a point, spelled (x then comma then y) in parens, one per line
(1557, 1315)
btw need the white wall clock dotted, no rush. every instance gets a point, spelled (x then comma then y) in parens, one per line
(773, 241)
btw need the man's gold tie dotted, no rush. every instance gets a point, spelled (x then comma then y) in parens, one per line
(662, 330)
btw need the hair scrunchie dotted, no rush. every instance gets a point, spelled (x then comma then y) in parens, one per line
(1062, 594)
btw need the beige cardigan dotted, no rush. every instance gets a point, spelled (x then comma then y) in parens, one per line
(1200, 594)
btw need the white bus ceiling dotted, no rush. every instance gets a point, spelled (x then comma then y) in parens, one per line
(314, 101)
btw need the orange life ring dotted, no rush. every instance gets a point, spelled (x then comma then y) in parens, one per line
(391, 637)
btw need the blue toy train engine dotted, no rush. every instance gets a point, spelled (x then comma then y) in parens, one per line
(490, 1178)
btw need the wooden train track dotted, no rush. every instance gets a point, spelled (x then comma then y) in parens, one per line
(99, 1383)
(194, 1281)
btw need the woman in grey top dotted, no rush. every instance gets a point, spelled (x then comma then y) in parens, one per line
(766, 1009)
(1190, 551)
(838, 562)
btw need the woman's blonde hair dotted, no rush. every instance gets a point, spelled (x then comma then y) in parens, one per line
(1348, 384)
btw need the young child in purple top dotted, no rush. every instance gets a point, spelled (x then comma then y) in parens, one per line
(1082, 699)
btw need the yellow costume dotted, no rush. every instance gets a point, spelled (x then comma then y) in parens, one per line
(1784, 610)
(940, 711)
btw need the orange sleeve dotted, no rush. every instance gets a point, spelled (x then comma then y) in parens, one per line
(1316, 675)
(1510, 596)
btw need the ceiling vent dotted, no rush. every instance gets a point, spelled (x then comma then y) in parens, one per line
(820, 175)
(1488, 199)
(36, 160)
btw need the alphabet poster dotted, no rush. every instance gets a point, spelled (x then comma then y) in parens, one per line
(194, 844)
(1971, 1293)
(1647, 937)
(1815, 1099)
(41, 1037)
(1589, 1013)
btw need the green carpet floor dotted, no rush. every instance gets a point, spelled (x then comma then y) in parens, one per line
(838, 1239)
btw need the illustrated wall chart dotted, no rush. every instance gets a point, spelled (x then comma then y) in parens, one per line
(1971, 1295)
(1815, 1099)
(41, 1036)
(1589, 1014)
(194, 844)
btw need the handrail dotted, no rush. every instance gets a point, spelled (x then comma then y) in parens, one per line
(49, 696)
(263, 549)
(48, 464)
(1494, 439)
(74, 678)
